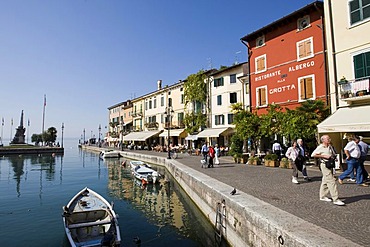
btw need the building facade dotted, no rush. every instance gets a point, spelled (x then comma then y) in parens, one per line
(287, 60)
(348, 44)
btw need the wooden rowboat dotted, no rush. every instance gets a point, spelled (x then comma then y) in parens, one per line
(89, 220)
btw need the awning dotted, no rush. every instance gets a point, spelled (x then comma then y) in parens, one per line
(140, 136)
(173, 132)
(216, 132)
(127, 123)
(347, 119)
(191, 138)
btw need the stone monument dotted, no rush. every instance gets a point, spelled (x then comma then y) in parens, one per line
(19, 135)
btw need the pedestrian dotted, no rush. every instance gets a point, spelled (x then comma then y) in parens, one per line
(292, 155)
(204, 151)
(364, 150)
(353, 154)
(217, 154)
(276, 149)
(303, 156)
(324, 152)
(211, 154)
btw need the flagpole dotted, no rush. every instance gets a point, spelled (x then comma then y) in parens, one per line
(11, 130)
(28, 130)
(2, 130)
(43, 115)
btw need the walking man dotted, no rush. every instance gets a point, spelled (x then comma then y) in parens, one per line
(302, 155)
(204, 151)
(353, 154)
(276, 149)
(323, 152)
(364, 149)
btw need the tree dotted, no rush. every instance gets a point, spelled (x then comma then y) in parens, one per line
(271, 123)
(50, 135)
(195, 94)
(36, 138)
(247, 124)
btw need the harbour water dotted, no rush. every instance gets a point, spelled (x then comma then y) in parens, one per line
(33, 190)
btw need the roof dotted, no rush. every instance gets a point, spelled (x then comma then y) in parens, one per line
(228, 68)
(282, 21)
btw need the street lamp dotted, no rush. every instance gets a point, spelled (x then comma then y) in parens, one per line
(168, 113)
(99, 135)
(62, 133)
(84, 136)
(122, 125)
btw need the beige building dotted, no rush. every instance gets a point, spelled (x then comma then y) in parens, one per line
(348, 53)
(225, 88)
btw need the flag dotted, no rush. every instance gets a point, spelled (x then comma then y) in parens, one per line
(12, 122)
(28, 122)
(44, 99)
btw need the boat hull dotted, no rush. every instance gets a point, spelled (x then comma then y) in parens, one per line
(89, 220)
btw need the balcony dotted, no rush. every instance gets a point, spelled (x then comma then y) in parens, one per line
(152, 126)
(355, 90)
(137, 114)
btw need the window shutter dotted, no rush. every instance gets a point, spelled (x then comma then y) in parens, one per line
(222, 81)
(215, 83)
(263, 63)
(309, 87)
(301, 53)
(302, 90)
(358, 66)
(308, 50)
(262, 94)
(222, 119)
(216, 120)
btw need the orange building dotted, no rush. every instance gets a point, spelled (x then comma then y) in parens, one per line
(287, 60)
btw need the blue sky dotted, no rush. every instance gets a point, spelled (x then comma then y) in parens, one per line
(87, 55)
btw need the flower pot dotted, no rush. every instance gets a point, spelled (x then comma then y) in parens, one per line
(271, 163)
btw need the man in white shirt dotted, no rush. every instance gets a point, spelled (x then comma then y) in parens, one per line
(353, 154)
(276, 149)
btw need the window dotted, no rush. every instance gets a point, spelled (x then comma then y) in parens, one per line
(260, 63)
(306, 87)
(218, 82)
(155, 103)
(233, 98)
(162, 100)
(150, 104)
(230, 118)
(260, 41)
(146, 105)
(219, 119)
(304, 49)
(233, 78)
(219, 99)
(261, 94)
(361, 64)
(169, 102)
(359, 10)
(303, 23)
(182, 99)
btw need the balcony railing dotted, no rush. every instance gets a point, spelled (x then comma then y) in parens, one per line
(354, 90)
(137, 114)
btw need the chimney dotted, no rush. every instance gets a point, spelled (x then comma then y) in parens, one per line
(159, 84)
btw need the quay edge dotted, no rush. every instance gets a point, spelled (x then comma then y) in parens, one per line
(36, 150)
(250, 221)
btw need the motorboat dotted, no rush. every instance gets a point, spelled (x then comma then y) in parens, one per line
(144, 172)
(110, 154)
(89, 220)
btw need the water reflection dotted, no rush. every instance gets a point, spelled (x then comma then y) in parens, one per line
(45, 164)
(163, 204)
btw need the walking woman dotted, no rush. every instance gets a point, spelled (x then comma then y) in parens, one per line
(292, 154)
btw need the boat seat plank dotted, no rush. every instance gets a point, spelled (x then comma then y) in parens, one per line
(86, 224)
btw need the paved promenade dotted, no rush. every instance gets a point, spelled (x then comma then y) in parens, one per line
(274, 186)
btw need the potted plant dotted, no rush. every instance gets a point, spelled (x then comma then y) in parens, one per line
(284, 163)
(237, 157)
(253, 160)
(271, 160)
(236, 148)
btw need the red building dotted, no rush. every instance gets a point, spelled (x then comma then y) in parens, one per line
(287, 60)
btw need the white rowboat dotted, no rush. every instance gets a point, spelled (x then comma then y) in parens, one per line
(89, 220)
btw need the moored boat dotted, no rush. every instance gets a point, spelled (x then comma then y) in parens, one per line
(89, 220)
(110, 154)
(144, 172)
